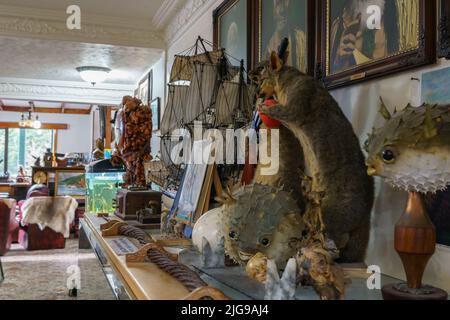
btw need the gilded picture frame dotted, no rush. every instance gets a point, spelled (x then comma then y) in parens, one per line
(358, 43)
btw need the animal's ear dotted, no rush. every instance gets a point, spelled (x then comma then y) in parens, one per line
(285, 57)
(275, 62)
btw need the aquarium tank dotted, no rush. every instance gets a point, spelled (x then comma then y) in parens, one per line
(102, 182)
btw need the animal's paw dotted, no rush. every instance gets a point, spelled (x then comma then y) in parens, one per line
(277, 112)
(281, 288)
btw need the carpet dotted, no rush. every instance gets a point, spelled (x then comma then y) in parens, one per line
(43, 275)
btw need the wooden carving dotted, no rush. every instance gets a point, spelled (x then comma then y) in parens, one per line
(134, 126)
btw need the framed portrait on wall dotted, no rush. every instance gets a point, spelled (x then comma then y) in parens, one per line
(366, 39)
(444, 29)
(232, 27)
(292, 19)
(155, 106)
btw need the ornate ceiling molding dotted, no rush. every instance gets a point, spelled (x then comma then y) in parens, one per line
(61, 91)
(186, 16)
(49, 24)
(166, 12)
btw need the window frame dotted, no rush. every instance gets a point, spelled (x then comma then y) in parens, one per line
(6, 144)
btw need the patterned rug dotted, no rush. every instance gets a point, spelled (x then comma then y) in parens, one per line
(43, 275)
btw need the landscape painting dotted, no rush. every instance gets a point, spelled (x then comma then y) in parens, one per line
(70, 183)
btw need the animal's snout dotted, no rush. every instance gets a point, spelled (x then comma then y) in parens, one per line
(371, 170)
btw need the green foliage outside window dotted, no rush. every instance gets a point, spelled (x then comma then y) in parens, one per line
(23, 144)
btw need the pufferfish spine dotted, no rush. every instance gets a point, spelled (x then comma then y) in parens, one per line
(257, 211)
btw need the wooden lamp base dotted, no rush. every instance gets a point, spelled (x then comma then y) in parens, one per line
(415, 242)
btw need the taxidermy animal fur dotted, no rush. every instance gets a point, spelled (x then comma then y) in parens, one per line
(291, 164)
(57, 213)
(333, 157)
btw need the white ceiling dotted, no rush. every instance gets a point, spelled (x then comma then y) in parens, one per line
(124, 9)
(38, 54)
(57, 60)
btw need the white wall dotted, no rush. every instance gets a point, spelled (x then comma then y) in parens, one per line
(159, 90)
(76, 139)
(360, 103)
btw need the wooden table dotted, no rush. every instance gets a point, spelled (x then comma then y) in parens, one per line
(17, 191)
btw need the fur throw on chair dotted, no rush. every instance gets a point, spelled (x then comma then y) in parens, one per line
(57, 213)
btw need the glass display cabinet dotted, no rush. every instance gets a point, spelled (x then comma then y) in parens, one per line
(102, 182)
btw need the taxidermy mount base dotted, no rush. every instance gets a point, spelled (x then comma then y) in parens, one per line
(415, 242)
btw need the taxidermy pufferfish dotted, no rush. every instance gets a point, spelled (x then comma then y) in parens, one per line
(261, 219)
(412, 150)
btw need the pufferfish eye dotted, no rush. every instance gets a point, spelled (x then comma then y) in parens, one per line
(265, 242)
(388, 156)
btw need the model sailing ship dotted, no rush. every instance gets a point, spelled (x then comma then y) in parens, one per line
(205, 87)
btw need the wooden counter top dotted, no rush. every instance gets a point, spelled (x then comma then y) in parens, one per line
(144, 281)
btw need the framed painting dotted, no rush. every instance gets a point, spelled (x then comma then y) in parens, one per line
(362, 40)
(155, 105)
(292, 19)
(444, 30)
(232, 30)
(145, 89)
(70, 183)
(193, 182)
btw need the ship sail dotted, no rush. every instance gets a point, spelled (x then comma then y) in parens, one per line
(201, 92)
(233, 103)
(203, 86)
(183, 65)
(173, 114)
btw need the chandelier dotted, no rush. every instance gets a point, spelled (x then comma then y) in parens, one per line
(29, 122)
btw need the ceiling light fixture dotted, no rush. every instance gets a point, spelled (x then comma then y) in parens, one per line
(93, 74)
(29, 122)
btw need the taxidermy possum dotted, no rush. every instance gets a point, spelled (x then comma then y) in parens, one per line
(291, 164)
(332, 154)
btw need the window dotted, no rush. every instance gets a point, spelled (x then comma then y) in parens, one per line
(18, 146)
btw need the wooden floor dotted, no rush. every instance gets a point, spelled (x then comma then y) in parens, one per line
(43, 275)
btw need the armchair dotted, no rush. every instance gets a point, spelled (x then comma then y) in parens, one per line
(8, 224)
(31, 237)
